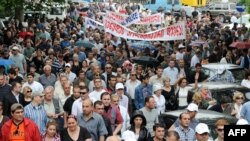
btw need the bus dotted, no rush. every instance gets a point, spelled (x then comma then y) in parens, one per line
(166, 5)
(194, 3)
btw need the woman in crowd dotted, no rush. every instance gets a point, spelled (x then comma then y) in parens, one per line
(85, 66)
(197, 98)
(238, 100)
(74, 132)
(138, 126)
(3, 118)
(27, 92)
(207, 100)
(169, 93)
(246, 81)
(51, 132)
(76, 65)
(219, 128)
(184, 96)
(159, 98)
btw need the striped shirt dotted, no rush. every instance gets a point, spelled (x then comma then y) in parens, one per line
(38, 115)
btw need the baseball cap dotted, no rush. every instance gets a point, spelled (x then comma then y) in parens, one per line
(16, 106)
(201, 128)
(15, 48)
(119, 86)
(67, 65)
(37, 94)
(157, 87)
(242, 122)
(192, 107)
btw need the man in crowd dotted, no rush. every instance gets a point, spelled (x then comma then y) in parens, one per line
(27, 129)
(48, 78)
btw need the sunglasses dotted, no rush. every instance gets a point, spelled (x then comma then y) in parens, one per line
(220, 130)
(83, 92)
(29, 91)
(239, 98)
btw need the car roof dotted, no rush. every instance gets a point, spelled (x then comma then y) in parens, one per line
(203, 114)
(216, 85)
(214, 66)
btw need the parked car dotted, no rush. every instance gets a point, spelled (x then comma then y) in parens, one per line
(204, 116)
(238, 72)
(222, 10)
(219, 89)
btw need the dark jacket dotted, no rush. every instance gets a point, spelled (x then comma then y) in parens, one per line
(107, 123)
(144, 134)
(10, 99)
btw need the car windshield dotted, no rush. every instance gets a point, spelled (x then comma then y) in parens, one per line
(238, 74)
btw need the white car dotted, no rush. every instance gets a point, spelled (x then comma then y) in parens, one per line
(244, 19)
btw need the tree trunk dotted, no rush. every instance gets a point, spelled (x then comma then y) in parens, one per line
(19, 12)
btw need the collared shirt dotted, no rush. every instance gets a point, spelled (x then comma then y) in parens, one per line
(227, 76)
(95, 125)
(131, 85)
(38, 115)
(47, 80)
(171, 73)
(77, 106)
(123, 101)
(185, 134)
(155, 79)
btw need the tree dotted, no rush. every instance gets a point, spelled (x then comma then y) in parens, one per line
(16, 7)
(247, 4)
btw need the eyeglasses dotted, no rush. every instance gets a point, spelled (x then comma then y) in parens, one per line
(220, 130)
(83, 92)
(29, 91)
(239, 98)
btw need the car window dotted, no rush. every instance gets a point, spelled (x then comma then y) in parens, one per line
(238, 74)
(225, 7)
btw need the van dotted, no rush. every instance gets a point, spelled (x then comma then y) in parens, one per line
(223, 10)
(166, 5)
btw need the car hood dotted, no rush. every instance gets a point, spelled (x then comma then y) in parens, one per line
(216, 85)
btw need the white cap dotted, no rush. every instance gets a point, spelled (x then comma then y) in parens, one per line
(201, 128)
(67, 65)
(15, 48)
(119, 86)
(221, 69)
(242, 122)
(157, 87)
(192, 107)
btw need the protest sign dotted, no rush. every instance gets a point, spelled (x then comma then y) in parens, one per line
(131, 19)
(92, 23)
(173, 32)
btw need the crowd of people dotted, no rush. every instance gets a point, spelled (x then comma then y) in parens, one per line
(52, 89)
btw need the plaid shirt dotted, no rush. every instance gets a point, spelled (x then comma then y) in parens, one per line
(185, 134)
(227, 76)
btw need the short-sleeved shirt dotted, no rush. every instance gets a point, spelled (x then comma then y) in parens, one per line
(95, 125)
(67, 107)
(83, 135)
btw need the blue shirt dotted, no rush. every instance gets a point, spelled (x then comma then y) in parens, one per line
(95, 125)
(185, 134)
(38, 115)
(245, 111)
(171, 73)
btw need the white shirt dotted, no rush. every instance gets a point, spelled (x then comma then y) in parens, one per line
(194, 61)
(183, 93)
(77, 106)
(35, 86)
(131, 85)
(96, 95)
(160, 103)
(125, 117)
(245, 83)
(91, 85)
(71, 76)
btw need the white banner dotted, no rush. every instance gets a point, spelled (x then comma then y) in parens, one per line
(173, 32)
(152, 19)
(132, 18)
(92, 23)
